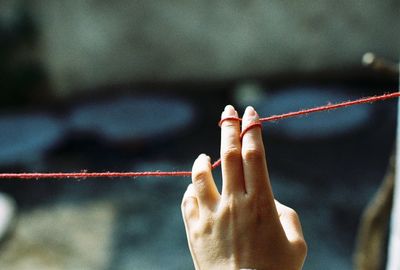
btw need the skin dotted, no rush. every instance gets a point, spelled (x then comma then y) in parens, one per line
(243, 227)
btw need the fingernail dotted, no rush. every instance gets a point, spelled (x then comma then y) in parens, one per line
(230, 111)
(250, 111)
(205, 156)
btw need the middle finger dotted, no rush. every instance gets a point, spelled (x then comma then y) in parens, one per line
(231, 157)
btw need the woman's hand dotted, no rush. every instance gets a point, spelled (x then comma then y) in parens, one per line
(243, 227)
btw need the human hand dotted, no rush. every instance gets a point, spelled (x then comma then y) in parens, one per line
(243, 227)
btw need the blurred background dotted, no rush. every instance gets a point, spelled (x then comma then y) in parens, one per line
(140, 85)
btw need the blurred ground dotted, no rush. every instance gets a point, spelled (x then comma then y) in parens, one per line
(136, 223)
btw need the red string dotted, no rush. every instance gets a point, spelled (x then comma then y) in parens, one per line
(84, 175)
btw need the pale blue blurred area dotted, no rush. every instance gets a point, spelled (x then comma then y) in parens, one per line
(25, 138)
(132, 118)
(317, 125)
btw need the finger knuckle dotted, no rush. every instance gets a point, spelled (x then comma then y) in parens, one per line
(252, 154)
(187, 203)
(231, 154)
(202, 228)
(199, 177)
(300, 246)
(291, 213)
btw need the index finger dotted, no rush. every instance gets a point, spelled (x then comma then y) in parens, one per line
(254, 159)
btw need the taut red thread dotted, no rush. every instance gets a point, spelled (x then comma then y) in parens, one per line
(84, 175)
